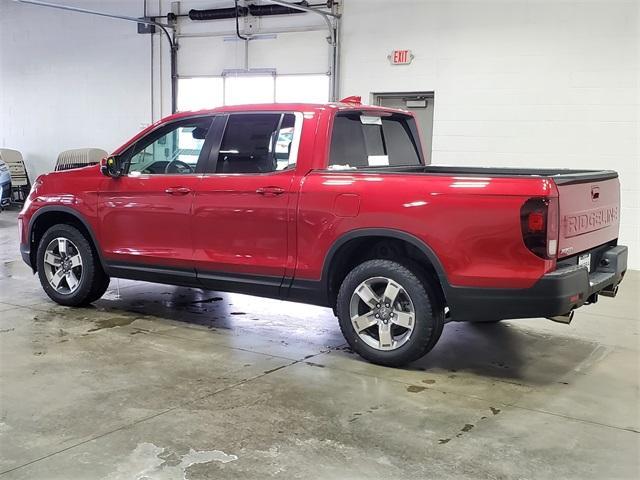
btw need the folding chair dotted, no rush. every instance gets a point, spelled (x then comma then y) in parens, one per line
(79, 157)
(20, 184)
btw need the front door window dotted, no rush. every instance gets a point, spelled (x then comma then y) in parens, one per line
(173, 149)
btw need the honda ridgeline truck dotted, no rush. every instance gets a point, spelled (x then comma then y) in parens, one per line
(330, 205)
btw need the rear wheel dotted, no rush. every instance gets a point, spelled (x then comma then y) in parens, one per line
(388, 314)
(68, 267)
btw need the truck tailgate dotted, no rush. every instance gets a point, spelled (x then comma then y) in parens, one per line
(589, 214)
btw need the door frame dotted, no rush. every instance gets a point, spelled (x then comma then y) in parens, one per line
(377, 96)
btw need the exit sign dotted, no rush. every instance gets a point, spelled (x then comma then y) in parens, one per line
(400, 57)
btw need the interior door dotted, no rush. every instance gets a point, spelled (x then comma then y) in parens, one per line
(145, 215)
(243, 205)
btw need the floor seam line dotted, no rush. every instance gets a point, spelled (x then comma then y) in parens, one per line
(581, 420)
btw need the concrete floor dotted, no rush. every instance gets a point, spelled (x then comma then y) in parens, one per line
(158, 382)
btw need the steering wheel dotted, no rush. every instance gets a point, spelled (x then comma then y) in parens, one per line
(174, 165)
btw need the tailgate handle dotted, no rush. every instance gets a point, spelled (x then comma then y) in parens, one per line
(177, 190)
(270, 191)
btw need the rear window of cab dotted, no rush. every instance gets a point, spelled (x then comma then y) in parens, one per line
(365, 140)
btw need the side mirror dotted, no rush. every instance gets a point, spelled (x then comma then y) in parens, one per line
(111, 166)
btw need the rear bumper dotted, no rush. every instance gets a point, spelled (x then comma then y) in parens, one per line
(556, 293)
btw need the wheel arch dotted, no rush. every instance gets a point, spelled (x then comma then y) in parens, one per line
(48, 216)
(355, 246)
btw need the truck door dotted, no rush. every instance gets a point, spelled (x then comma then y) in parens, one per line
(145, 215)
(244, 205)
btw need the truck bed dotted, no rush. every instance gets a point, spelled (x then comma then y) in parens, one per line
(559, 176)
(589, 213)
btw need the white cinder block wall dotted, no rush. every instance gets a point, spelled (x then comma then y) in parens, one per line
(517, 82)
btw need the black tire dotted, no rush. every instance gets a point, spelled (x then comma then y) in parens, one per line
(429, 313)
(100, 286)
(93, 281)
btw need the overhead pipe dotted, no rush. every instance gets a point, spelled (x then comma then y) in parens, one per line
(239, 11)
(263, 32)
(269, 10)
(238, 27)
(218, 13)
(305, 7)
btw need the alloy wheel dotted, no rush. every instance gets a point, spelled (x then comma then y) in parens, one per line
(382, 313)
(63, 265)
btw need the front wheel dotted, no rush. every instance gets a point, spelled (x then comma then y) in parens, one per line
(68, 267)
(388, 314)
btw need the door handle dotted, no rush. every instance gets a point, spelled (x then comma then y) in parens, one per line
(270, 191)
(178, 190)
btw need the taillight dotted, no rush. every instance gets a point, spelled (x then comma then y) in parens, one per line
(539, 223)
(536, 221)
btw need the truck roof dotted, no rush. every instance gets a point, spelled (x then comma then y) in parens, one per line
(263, 107)
(292, 107)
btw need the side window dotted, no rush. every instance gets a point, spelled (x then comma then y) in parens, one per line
(257, 143)
(360, 141)
(401, 140)
(173, 149)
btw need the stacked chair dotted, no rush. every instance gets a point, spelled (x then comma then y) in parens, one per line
(20, 184)
(79, 157)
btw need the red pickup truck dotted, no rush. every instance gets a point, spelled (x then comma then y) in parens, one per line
(331, 205)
